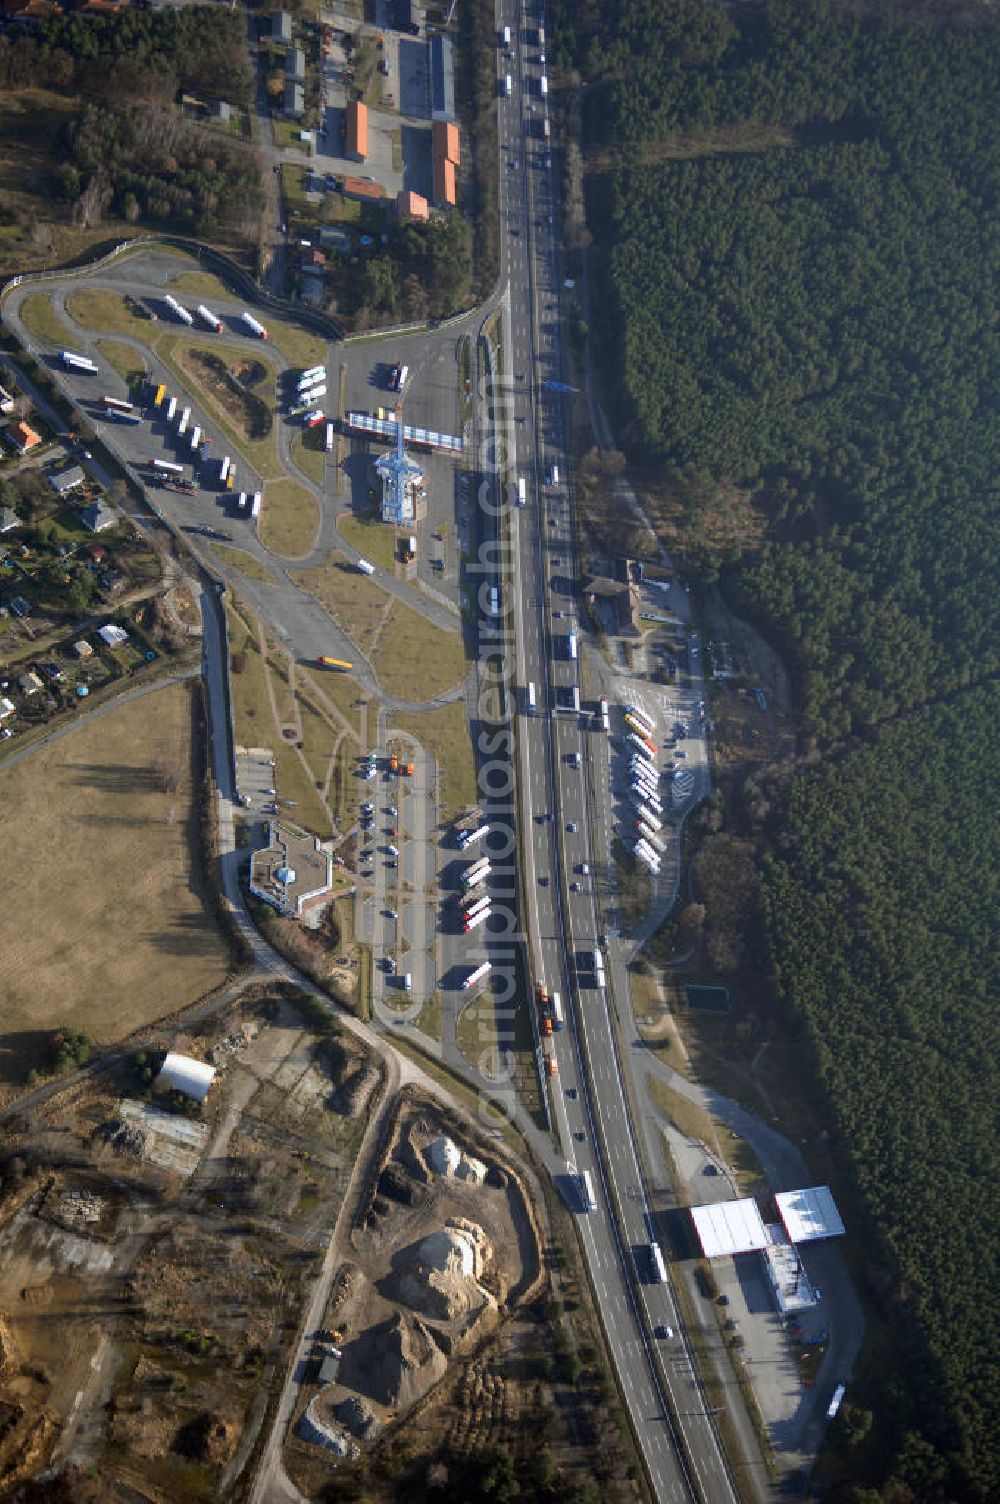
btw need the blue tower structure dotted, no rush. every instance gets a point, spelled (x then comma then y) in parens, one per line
(401, 479)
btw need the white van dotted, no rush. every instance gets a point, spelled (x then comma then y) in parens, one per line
(508, 86)
(365, 567)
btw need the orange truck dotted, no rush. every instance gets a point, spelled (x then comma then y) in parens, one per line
(394, 764)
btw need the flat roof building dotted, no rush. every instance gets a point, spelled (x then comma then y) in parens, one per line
(729, 1227)
(292, 872)
(442, 78)
(357, 131)
(281, 26)
(295, 65)
(809, 1214)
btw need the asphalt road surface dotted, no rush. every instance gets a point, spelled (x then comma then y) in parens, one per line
(589, 1099)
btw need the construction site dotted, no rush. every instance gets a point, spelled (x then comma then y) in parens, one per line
(232, 1260)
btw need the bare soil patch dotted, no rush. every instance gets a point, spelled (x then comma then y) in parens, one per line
(107, 927)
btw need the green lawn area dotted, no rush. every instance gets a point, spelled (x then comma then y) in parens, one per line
(309, 453)
(344, 211)
(298, 346)
(375, 541)
(477, 1033)
(415, 659)
(289, 519)
(40, 318)
(294, 782)
(341, 690)
(693, 1121)
(293, 191)
(245, 563)
(428, 1020)
(444, 733)
(287, 133)
(171, 349)
(205, 284)
(124, 360)
(476, 1027)
(253, 722)
(95, 308)
(355, 604)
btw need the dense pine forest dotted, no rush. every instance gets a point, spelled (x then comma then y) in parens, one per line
(801, 258)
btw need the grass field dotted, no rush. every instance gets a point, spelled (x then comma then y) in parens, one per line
(96, 308)
(478, 1037)
(340, 689)
(695, 1123)
(309, 453)
(202, 283)
(39, 317)
(109, 932)
(245, 563)
(289, 519)
(415, 659)
(354, 603)
(253, 721)
(444, 733)
(297, 346)
(375, 541)
(171, 349)
(124, 360)
(258, 723)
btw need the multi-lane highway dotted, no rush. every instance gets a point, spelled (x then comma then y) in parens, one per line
(590, 1104)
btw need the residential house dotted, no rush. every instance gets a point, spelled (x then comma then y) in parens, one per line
(221, 110)
(356, 146)
(112, 635)
(29, 683)
(6, 708)
(82, 649)
(295, 65)
(24, 437)
(312, 260)
(31, 12)
(334, 239)
(281, 26)
(410, 205)
(6, 401)
(295, 104)
(8, 519)
(292, 872)
(64, 481)
(364, 188)
(97, 517)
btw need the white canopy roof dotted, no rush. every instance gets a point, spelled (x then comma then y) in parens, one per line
(728, 1227)
(192, 1077)
(809, 1214)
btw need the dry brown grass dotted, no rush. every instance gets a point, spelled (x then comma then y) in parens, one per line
(105, 928)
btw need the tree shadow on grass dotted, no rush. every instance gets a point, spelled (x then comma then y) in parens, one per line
(21, 1051)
